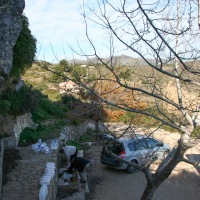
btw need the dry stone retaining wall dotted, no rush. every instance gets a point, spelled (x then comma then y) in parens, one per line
(74, 132)
(13, 126)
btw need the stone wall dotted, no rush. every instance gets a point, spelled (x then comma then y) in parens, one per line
(22, 122)
(1, 163)
(10, 26)
(13, 126)
(74, 132)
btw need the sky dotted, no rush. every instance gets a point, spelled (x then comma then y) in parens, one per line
(58, 26)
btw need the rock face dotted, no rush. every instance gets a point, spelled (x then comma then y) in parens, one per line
(10, 26)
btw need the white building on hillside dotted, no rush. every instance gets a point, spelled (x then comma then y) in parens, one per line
(68, 87)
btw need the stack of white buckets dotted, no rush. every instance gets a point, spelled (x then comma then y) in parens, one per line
(46, 179)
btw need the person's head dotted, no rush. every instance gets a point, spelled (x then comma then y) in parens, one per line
(61, 151)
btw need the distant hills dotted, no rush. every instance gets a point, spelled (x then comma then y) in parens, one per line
(116, 60)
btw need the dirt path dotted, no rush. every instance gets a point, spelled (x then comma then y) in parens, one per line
(110, 184)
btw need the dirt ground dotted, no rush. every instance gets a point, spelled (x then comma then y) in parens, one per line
(110, 184)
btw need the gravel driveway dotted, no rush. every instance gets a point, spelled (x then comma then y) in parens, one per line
(110, 184)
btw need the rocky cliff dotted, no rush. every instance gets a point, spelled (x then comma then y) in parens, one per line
(10, 26)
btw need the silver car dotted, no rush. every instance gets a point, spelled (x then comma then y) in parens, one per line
(139, 150)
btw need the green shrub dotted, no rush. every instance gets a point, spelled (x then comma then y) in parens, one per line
(53, 108)
(17, 102)
(68, 98)
(27, 137)
(39, 115)
(30, 136)
(47, 109)
(24, 49)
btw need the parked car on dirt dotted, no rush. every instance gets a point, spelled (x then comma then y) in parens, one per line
(139, 150)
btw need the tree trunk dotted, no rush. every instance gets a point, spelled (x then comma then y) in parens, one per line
(148, 192)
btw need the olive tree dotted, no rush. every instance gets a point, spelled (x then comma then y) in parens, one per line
(165, 36)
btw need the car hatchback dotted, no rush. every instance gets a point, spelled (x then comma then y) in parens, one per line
(139, 150)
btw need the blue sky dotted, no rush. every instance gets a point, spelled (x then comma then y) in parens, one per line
(57, 24)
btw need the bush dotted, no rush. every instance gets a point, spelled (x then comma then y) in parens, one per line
(27, 137)
(24, 50)
(68, 98)
(47, 110)
(30, 136)
(17, 102)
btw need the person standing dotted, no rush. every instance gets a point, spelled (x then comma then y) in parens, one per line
(80, 164)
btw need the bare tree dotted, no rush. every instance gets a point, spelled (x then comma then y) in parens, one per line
(163, 81)
(165, 35)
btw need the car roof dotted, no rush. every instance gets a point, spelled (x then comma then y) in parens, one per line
(130, 138)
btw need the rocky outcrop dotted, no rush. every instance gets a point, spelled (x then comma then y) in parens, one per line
(10, 26)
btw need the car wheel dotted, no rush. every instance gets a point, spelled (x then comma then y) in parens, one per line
(131, 169)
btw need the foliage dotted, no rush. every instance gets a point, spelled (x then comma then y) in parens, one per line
(77, 72)
(64, 63)
(17, 102)
(88, 136)
(112, 91)
(69, 98)
(24, 50)
(58, 75)
(30, 136)
(47, 109)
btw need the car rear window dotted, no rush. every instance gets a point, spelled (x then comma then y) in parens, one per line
(116, 147)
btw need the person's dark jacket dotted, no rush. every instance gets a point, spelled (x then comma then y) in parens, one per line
(78, 163)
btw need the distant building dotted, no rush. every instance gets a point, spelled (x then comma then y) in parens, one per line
(68, 87)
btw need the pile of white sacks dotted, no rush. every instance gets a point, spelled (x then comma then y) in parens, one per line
(43, 147)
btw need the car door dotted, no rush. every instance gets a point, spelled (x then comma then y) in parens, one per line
(141, 151)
